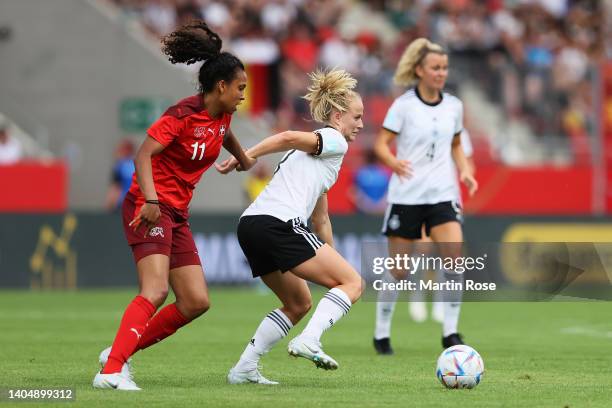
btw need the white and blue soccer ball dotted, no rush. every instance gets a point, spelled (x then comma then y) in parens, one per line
(460, 367)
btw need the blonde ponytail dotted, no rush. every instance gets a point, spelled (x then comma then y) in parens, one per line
(417, 50)
(331, 89)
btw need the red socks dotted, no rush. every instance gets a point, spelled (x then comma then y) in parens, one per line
(131, 329)
(166, 322)
(138, 330)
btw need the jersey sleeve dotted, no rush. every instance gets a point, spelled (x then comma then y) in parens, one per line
(394, 120)
(459, 119)
(466, 143)
(166, 129)
(330, 143)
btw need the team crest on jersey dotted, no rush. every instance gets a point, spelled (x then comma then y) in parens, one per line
(157, 232)
(394, 222)
(199, 131)
(222, 131)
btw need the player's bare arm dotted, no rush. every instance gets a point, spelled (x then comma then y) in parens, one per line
(466, 174)
(149, 213)
(280, 142)
(321, 224)
(232, 145)
(383, 152)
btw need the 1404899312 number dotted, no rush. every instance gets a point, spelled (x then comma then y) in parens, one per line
(12, 394)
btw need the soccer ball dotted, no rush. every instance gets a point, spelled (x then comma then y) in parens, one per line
(460, 367)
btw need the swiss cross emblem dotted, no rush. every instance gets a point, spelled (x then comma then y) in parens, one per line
(199, 131)
(222, 131)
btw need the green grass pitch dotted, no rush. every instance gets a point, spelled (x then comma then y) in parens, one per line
(536, 355)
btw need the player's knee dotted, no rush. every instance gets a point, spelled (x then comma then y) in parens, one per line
(296, 310)
(354, 289)
(197, 306)
(452, 250)
(399, 274)
(156, 296)
(303, 308)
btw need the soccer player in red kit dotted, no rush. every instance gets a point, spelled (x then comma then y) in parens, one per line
(181, 145)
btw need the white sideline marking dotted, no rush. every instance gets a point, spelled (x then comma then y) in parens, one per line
(588, 331)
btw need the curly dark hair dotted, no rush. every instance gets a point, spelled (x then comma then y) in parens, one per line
(196, 42)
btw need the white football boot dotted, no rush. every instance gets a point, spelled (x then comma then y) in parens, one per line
(116, 381)
(310, 349)
(126, 370)
(243, 377)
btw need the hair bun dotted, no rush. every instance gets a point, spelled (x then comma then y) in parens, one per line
(191, 43)
(331, 89)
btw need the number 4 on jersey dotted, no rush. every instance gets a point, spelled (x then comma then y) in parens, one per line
(195, 146)
(431, 152)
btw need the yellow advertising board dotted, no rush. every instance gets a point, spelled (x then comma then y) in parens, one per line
(580, 251)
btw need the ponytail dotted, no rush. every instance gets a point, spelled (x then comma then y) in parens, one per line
(196, 42)
(329, 90)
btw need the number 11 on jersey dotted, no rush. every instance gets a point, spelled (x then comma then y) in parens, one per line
(195, 146)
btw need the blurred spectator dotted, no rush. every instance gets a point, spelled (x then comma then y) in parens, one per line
(256, 181)
(10, 147)
(338, 52)
(121, 177)
(531, 59)
(255, 47)
(370, 186)
(160, 16)
(300, 47)
(276, 15)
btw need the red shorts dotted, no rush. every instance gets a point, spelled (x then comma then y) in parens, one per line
(171, 236)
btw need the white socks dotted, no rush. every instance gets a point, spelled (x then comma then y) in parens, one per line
(450, 300)
(417, 306)
(452, 305)
(272, 328)
(330, 309)
(437, 311)
(276, 325)
(385, 305)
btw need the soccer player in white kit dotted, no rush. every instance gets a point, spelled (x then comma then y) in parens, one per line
(279, 246)
(417, 309)
(423, 191)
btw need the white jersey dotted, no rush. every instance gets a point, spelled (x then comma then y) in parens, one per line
(424, 137)
(301, 178)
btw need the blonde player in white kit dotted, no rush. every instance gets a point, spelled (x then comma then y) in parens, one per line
(279, 246)
(417, 307)
(423, 191)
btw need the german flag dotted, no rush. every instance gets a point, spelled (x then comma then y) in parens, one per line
(263, 88)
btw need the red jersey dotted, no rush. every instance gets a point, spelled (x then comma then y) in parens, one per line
(192, 141)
